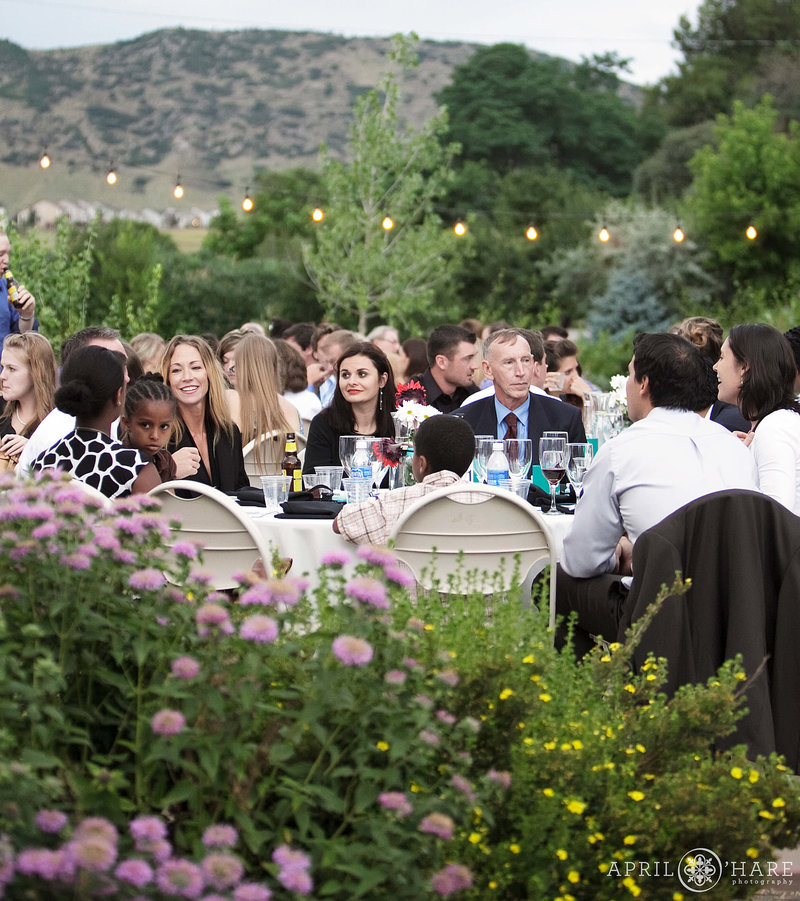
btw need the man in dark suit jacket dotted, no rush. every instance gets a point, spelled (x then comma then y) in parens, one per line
(513, 411)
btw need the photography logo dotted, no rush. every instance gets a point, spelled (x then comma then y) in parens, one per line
(699, 870)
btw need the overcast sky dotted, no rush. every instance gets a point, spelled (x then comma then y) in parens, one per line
(639, 29)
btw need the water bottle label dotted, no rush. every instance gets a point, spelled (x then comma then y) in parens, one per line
(361, 472)
(493, 476)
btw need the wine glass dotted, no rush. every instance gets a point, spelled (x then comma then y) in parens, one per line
(520, 454)
(579, 456)
(484, 451)
(552, 459)
(347, 447)
(478, 462)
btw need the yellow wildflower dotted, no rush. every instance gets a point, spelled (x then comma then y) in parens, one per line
(577, 744)
(677, 896)
(189, 596)
(549, 746)
(779, 802)
(528, 659)
(640, 748)
(429, 627)
(574, 876)
(629, 688)
(632, 887)
(545, 698)
(737, 773)
(493, 884)
(414, 787)
(452, 655)
(650, 677)
(514, 849)
(752, 853)
(576, 807)
(474, 838)
(629, 840)
(527, 741)
(740, 676)
(561, 854)
(520, 725)
(548, 792)
(506, 693)
(536, 678)
(614, 646)
(566, 746)
(766, 814)
(603, 867)
(605, 659)
(636, 795)
(753, 776)
(382, 746)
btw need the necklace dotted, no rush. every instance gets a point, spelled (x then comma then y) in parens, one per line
(22, 425)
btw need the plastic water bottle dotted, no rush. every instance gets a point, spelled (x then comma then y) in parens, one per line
(497, 466)
(360, 467)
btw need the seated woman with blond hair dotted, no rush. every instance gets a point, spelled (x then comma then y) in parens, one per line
(27, 383)
(261, 408)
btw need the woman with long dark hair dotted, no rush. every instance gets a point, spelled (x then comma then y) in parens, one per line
(756, 371)
(363, 403)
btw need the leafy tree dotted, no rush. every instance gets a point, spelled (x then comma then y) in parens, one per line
(360, 270)
(752, 174)
(58, 275)
(666, 175)
(513, 110)
(729, 44)
(278, 221)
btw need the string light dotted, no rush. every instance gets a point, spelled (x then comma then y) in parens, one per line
(247, 203)
(388, 223)
(460, 229)
(603, 234)
(317, 214)
(530, 233)
(750, 232)
(111, 176)
(678, 235)
(44, 160)
(177, 192)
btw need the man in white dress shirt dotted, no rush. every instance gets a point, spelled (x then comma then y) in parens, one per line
(667, 458)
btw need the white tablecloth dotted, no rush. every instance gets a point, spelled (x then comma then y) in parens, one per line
(306, 541)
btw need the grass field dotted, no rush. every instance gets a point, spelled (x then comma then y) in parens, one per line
(189, 240)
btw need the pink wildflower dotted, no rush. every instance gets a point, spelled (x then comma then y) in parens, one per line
(445, 717)
(185, 667)
(222, 870)
(213, 615)
(370, 591)
(399, 576)
(97, 827)
(449, 677)
(77, 561)
(352, 651)
(463, 786)
(285, 856)
(51, 820)
(336, 558)
(220, 835)
(93, 853)
(259, 628)
(453, 878)
(395, 677)
(296, 880)
(429, 737)
(251, 891)
(287, 591)
(438, 824)
(45, 530)
(396, 801)
(373, 553)
(161, 850)
(146, 580)
(148, 829)
(424, 701)
(185, 549)
(135, 872)
(180, 878)
(168, 722)
(256, 594)
(501, 777)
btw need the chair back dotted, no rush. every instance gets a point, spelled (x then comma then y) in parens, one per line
(229, 542)
(92, 492)
(471, 536)
(272, 454)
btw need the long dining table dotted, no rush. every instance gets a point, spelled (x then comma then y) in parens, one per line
(306, 541)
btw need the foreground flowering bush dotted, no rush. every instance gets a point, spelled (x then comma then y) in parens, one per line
(160, 742)
(146, 728)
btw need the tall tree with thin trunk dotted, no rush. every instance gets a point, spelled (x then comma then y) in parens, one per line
(363, 271)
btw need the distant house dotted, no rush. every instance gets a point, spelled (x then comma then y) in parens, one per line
(46, 213)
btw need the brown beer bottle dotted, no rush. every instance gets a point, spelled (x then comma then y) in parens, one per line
(290, 465)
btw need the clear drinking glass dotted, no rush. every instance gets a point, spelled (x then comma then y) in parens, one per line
(483, 452)
(347, 447)
(552, 459)
(479, 464)
(579, 456)
(520, 454)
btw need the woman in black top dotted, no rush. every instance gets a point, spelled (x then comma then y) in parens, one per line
(362, 404)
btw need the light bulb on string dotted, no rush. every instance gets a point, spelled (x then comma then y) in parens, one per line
(678, 236)
(317, 214)
(44, 160)
(111, 175)
(387, 224)
(530, 233)
(750, 232)
(247, 203)
(177, 191)
(603, 235)
(459, 229)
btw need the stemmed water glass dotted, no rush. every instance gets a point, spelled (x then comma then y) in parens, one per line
(579, 456)
(347, 447)
(519, 452)
(552, 459)
(484, 451)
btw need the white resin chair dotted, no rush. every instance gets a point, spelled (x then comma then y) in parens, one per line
(472, 536)
(229, 542)
(272, 465)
